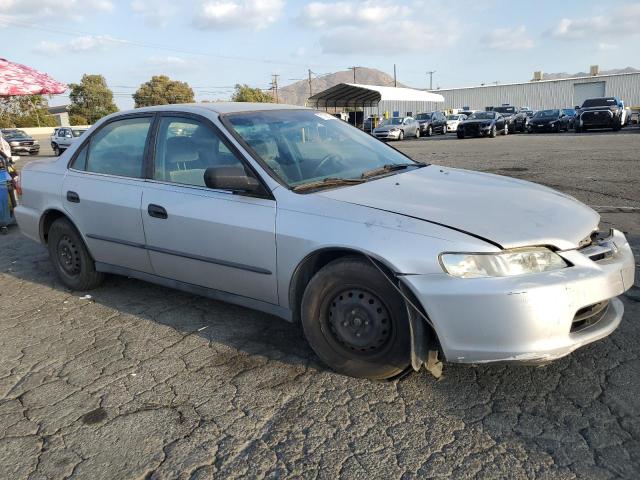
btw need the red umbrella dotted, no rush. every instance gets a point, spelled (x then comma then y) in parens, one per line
(16, 79)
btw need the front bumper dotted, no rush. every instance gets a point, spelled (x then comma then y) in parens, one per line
(531, 318)
(542, 127)
(387, 135)
(475, 131)
(25, 149)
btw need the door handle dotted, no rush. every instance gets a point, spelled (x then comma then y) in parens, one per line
(156, 211)
(73, 197)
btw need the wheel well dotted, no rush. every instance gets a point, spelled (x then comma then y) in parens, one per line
(47, 220)
(310, 266)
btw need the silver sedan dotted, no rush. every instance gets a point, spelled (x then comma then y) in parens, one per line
(386, 262)
(397, 128)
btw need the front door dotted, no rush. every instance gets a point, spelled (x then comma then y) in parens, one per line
(211, 238)
(102, 192)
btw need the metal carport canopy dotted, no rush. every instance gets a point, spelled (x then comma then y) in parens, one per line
(356, 95)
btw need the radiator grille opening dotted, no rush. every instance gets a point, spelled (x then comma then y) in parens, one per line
(588, 316)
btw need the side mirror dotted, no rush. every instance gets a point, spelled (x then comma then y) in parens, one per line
(230, 178)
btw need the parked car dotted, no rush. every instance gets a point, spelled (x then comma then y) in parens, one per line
(397, 128)
(432, 122)
(604, 112)
(549, 121)
(453, 121)
(521, 119)
(293, 212)
(571, 114)
(369, 122)
(483, 124)
(509, 114)
(63, 137)
(20, 142)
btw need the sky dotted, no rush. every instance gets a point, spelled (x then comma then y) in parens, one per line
(215, 44)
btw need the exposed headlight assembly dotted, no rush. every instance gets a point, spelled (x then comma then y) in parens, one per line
(509, 263)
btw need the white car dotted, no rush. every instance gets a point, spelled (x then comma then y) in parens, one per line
(63, 137)
(380, 258)
(453, 121)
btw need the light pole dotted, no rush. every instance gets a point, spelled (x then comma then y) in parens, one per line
(430, 73)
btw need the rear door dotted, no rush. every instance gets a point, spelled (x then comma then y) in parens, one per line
(102, 192)
(205, 237)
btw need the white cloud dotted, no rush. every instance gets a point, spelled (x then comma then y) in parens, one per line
(154, 14)
(29, 10)
(319, 15)
(508, 39)
(605, 47)
(380, 27)
(85, 43)
(617, 22)
(225, 14)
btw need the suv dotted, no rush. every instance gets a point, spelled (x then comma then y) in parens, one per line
(20, 142)
(431, 123)
(604, 112)
(63, 137)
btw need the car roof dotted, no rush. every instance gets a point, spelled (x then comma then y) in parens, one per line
(218, 107)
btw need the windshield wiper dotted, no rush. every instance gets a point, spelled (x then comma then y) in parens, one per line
(327, 182)
(389, 167)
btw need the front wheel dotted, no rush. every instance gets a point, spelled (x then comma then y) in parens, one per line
(355, 321)
(444, 130)
(418, 132)
(429, 131)
(492, 132)
(506, 129)
(401, 136)
(70, 257)
(56, 150)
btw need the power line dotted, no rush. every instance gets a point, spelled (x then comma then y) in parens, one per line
(115, 41)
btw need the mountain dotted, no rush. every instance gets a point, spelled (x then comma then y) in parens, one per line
(560, 76)
(298, 92)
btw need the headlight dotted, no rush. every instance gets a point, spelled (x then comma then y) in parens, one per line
(504, 264)
(35, 142)
(14, 144)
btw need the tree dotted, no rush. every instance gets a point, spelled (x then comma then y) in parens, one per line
(91, 98)
(244, 93)
(76, 119)
(161, 90)
(25, 111)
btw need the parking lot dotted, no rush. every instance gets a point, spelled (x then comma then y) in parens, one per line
(139, 381)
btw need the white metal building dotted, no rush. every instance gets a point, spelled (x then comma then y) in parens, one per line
(375, 99)
(544, 94)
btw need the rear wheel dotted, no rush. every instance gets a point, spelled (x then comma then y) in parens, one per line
(355, 321)
(70, 257)
(429, 131)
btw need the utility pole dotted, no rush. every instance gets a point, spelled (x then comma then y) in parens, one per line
(274, 86)
(310, 91)
(430, 73)
(354, 73)
(395, 80)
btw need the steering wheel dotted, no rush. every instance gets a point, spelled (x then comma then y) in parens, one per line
(326, 159)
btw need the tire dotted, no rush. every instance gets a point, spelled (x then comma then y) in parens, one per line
(429, 131)
(505, 131)
(493, 131)
(340, 301)
(401, 136)
(56, 150)
(417, 132)
(70, 258)
(444, 129)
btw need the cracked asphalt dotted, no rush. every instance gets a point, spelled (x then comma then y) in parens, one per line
(139, 381)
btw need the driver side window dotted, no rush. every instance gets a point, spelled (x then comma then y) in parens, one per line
(185, 148)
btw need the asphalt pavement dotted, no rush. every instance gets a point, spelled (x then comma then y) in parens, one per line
(134, 380)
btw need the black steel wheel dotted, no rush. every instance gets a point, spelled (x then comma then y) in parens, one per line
(70, 257)
(355, 321)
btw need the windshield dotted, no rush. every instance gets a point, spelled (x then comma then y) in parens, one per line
(392, 121)
(504, 109)
(306, 146)
(453, 117)
(77, 133)
(569, 111)
(547, 114)
(423, 116)
(483, 116)
(14, 133)
(599, 102)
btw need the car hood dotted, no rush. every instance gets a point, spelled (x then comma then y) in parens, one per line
(504, 211)
(386, 128)
(476, 121)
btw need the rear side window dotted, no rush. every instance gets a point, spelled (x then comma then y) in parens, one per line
(118, 148)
